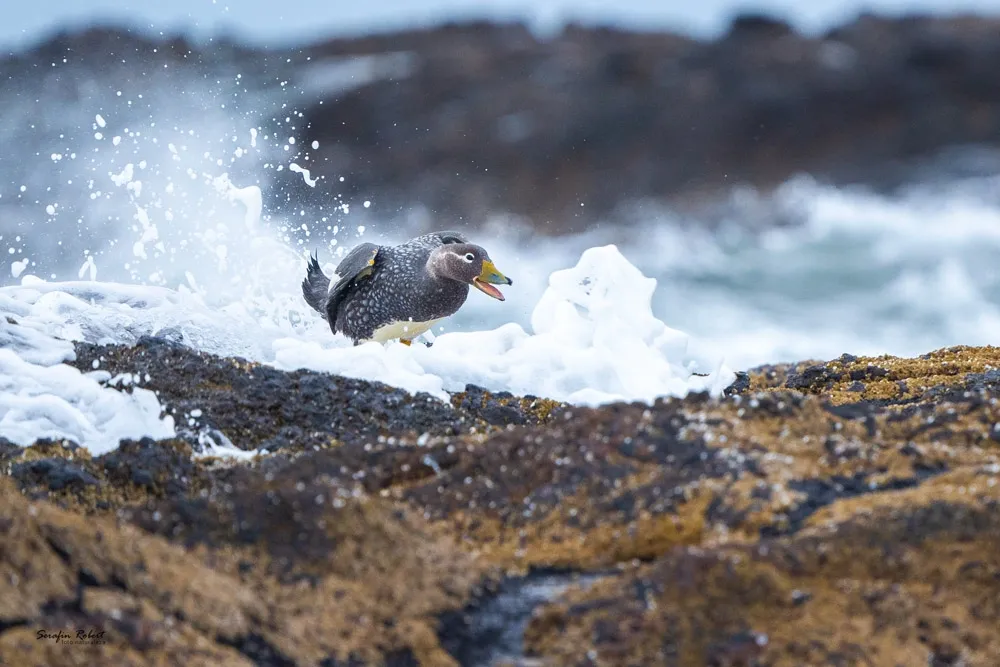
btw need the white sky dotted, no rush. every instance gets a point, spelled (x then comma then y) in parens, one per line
(283, 21)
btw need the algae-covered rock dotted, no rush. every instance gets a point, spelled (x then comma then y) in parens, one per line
(841, 512)
(278, 578)
(912, 578)
(259, 407)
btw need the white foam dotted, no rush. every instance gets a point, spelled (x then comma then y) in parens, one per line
(215, 444)
(57, 401)
(42, 397)
(594, 338)
(108, 313)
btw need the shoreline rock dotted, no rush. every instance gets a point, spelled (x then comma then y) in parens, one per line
(464, 122)
(781, 526)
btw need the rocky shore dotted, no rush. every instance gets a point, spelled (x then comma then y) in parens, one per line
(463, 122)
(839, 513)
(599, 125)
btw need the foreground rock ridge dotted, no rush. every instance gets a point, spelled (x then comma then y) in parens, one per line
(824, 513)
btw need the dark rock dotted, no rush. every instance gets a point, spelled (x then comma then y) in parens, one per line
(8, 450)
(776, 404)
(168, 340)
(979, 381)
(758, 26)
(859, 410)
(869, 372)
(260, 651)
(820, 493)
(352, 661)
(501, 415)
(52, 474)
(261, 407)
(812, 378)
(739, 385)
(494, 409)
(704, 604)
(160, 468)
(287, 437)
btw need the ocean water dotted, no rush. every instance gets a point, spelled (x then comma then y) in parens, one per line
(131, 209)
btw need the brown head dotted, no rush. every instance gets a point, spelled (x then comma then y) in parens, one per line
(467, 263)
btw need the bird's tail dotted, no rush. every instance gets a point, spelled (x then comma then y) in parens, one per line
(316, 286)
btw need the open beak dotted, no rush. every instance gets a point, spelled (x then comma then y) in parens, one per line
(491, 276)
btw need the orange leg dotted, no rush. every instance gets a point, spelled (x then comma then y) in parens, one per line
(405, 342)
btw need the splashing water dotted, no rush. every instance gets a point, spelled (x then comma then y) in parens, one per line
(595, 340)
(194, 257)
(146, 216)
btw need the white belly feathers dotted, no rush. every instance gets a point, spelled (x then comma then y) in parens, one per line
(404, 330)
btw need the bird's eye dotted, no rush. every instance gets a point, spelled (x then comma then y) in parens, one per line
(469, 257)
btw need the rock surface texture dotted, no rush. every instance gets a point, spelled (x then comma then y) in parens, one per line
(826, 513)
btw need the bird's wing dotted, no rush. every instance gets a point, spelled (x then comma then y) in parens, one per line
(356, 265)
(358, 262)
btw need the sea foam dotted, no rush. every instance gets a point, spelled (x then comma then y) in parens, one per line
(593, 340)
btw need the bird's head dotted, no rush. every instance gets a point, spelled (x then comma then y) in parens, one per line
(470, 264)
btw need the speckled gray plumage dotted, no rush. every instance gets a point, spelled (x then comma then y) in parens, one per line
(397, 288)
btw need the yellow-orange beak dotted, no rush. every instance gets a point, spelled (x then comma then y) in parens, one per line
(488, 277)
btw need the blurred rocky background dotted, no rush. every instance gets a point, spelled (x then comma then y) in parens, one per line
(469, 121)
(483, 119)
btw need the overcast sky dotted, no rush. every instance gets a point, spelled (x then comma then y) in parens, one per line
(284, 21)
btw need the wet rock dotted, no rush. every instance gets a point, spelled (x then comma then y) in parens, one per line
(571, 496)
(136, 471)
(52, 474)
(772, 525)
(259, 407)
(982, 381)
(490, 631)
(494, 409)
(819, 493)
(867, 373)
(66, 572)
